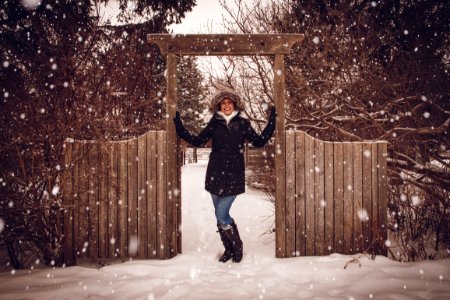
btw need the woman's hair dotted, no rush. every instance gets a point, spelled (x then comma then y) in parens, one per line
(223, 93)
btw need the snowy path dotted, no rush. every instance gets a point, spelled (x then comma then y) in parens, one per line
(197, 275)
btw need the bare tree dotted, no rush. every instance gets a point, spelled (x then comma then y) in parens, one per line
(66, 75)
(370, 71)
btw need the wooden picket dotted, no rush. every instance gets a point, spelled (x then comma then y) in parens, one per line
(335, 197)
(116, 200)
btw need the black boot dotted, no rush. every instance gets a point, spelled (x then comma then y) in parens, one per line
(236, 242)
(228, 254)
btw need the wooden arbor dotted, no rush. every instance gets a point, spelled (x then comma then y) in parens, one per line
(123, 198)
(231, 44)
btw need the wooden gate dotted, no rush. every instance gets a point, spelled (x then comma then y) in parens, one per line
(336, 197)
(117, 201)
(123, 198)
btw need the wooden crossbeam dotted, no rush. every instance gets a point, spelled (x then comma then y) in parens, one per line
(225, 44)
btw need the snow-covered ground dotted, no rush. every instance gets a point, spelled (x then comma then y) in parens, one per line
(196, 274)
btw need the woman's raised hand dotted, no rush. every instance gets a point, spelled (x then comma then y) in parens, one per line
(177, 122)
(273, 113)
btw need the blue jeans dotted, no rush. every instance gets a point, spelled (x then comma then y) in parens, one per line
(222, 207)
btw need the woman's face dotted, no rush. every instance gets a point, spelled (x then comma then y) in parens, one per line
(227, 106)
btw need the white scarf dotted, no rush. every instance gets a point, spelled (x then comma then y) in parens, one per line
(228, 118)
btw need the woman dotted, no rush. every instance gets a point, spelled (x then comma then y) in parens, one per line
(225, 178)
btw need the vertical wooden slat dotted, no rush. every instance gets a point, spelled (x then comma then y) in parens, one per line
(132, 172)
(77, 155)
(367, 194)
(171, 148)
(181, 158)
(280, 185)
(329, 197)
(319, 201)
(338, 198)
(103, 201)
(309, 195)
(112, 198)
(152, 168)
(357, 197)
(68, 192)
(348, 198)
(122, 232)
(83, 215)
(382, 182)
(93, 199)
(374, 188)
(290, 194)
(161, 196)
(142, 198)
(300, 215)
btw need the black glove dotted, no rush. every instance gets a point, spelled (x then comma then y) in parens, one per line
(273, 113)
(177, 119)
(177, 122)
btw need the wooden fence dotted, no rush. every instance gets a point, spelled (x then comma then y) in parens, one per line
(117, 201)
(336, 197)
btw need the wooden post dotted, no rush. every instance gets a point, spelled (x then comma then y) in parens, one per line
(172, 148)
(280, 163)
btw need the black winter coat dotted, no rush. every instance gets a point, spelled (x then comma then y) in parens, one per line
(225, 175)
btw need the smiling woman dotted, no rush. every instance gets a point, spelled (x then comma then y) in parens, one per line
(225, 175)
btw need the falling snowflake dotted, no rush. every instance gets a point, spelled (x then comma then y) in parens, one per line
(367, 153)
(55, 190)
(426, 115)
(316, 40)
(2, 225)
(133, 245)
(415, 200)
(363, 215)
(31, 4)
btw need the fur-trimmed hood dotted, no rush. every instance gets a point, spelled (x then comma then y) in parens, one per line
(223, 93)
